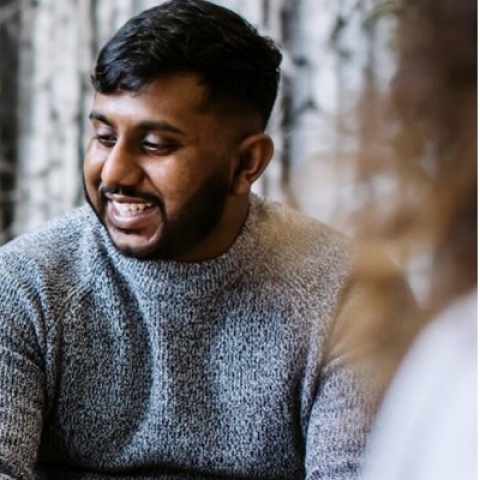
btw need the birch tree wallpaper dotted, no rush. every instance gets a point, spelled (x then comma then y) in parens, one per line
(337, 56)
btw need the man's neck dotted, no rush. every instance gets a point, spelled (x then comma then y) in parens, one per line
(222, 237)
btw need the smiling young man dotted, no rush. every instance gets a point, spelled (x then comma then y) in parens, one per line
(168, 176)
(179, 326)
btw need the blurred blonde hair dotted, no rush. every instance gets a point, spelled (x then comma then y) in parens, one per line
(433, 114)
(432, 208)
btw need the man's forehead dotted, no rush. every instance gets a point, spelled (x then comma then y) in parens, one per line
(161, 99)
(187, 88)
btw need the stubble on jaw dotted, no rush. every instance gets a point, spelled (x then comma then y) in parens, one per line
(198, 217)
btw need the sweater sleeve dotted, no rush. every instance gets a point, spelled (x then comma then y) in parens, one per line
(350, 381)
(22, 380)
(339, 424)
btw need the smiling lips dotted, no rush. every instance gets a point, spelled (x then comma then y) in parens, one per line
(128, 215)
(131, 209)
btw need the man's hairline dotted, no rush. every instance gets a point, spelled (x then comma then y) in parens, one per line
(207, 106)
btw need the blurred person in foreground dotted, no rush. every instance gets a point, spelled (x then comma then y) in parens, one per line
(427, 426)
(179, 326)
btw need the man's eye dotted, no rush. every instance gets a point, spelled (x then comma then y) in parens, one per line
(166, 147)
(106, 140)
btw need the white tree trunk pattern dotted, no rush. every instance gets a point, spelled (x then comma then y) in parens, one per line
(331, 55)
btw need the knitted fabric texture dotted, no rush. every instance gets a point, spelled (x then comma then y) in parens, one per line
(114, 367)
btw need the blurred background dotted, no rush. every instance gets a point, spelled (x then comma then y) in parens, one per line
(339, 58)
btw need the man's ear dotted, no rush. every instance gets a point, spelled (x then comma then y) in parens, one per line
(254, 155)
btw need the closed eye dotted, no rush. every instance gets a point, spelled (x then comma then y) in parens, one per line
(161, 148)
(106, 140)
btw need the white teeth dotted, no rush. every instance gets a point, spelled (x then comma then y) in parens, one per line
(131, 208)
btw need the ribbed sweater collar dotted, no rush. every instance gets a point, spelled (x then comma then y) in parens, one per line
(192, 279)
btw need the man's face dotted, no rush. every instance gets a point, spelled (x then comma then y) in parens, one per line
(158, 169)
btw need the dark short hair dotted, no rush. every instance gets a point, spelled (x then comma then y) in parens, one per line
(238, 66)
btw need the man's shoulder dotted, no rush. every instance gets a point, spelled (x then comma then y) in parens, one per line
(50, 246)
(56, 233)
(300, 253)
(292, 232)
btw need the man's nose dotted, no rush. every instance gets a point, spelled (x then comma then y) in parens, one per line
(121, 167)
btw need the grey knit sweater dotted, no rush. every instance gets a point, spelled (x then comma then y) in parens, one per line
(113, 367)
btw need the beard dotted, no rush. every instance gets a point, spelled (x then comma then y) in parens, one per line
(196, 219)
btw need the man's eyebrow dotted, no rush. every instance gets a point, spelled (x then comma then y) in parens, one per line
(151, 125)
(98, 116)
(147, 125)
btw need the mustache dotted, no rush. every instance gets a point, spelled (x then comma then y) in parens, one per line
(132, 192)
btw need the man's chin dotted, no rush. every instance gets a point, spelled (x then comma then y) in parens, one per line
(136, 246)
